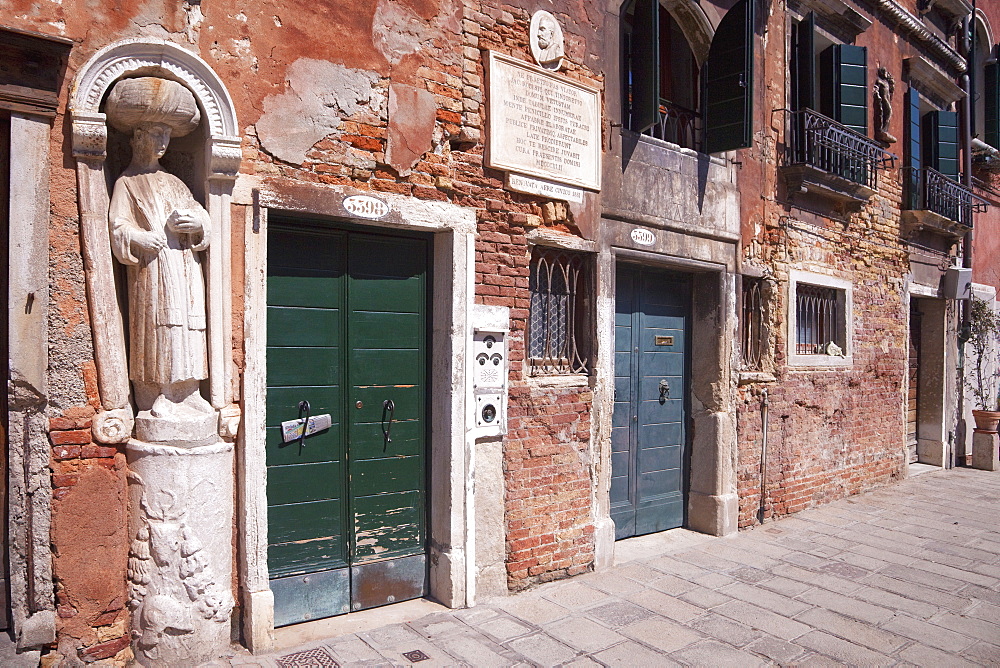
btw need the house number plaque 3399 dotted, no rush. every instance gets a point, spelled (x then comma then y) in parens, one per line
(365, 206)
(643, 237)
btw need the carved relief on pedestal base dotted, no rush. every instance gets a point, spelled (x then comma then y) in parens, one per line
(179, 566)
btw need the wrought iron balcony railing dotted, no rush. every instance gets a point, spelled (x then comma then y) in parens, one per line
(678, 125)
(929, 190)
(825, 144)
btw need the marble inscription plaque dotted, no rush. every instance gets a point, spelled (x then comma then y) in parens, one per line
(526, 184)
(543, 124)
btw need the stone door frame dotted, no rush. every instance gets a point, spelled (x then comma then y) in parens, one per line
(712, 498)
(451, 451)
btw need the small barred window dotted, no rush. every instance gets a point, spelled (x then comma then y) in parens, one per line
(752, 323)
(559, 315)
(818, 321)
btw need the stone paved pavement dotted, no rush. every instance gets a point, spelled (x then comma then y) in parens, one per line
(905, 575)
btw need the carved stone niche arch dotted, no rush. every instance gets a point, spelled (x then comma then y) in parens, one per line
(214, 172)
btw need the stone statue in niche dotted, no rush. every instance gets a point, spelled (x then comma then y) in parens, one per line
(158, 230)
(885, 88)
(546, 38)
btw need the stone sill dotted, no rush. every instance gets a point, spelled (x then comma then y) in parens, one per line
(818, 362)
(806, 178)
(560, 380)
(747, 377)
(914, 221)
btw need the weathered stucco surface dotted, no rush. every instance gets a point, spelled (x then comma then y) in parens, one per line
(412, 114)
(320, 95)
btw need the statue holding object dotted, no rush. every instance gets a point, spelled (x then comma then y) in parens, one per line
(158, 230)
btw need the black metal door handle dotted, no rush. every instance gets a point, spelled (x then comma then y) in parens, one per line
(390, 406)
(664, 391)
(304, 406)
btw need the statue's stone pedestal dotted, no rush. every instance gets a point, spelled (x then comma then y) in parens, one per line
(180, 561)
(188, 432)
(984, 451)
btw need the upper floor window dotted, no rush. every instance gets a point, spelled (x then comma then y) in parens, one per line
(681, 84)
(828, 77)
(932, 178)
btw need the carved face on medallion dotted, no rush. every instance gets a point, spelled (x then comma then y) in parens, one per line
(546, 39)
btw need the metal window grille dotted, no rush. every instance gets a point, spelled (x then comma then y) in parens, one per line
(752, 325)
(557, 316)
(817, 320)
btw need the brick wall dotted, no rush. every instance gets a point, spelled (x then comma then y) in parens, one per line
(90, 535)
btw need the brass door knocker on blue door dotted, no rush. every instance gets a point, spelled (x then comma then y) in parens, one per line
(664, 391)
(390, 406)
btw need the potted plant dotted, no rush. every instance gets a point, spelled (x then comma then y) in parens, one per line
(982, 370)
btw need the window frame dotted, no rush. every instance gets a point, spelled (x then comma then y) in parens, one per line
(581, 326)
(845, 326)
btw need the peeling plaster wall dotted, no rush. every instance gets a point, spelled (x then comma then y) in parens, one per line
(379, 96)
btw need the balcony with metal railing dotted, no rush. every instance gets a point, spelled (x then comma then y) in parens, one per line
(677, 125)
(831, 160)
(937, 203)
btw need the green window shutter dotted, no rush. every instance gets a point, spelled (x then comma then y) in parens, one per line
(804, 63)
(729, 81)
(991, 91)
(844, 85)
(941, 142)
(642, 65)
(912, 158)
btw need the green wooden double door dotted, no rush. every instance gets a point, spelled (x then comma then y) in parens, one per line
(346, 332)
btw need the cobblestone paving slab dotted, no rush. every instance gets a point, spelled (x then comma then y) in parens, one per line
(907, 575)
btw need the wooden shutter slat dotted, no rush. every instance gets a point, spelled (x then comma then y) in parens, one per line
(912, 158)
(991, 91)
(729, 81)
(942, 142)
(642, 85)
(844, 82)
(804, 63)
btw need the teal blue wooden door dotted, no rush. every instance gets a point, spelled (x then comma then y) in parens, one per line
(346, 328)
(648, 434)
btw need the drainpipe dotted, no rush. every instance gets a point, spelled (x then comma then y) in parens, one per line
(966, 119)
(764, 403)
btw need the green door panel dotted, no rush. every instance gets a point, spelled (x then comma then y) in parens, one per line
(407, 398)
(407, 440)
(384, 366)
(385, 475)
(317, 449)
(303, 366)
(347, 331)
(377, 329)
(303, 327)
(312, 291)
(303, 482)
(306, 556)
(388, 525)
(283, 402)
(298, 521)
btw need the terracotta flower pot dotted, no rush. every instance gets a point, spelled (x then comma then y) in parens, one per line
(986, 421)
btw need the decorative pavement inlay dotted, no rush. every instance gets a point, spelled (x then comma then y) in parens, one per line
(416, 655)
(310, 658)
